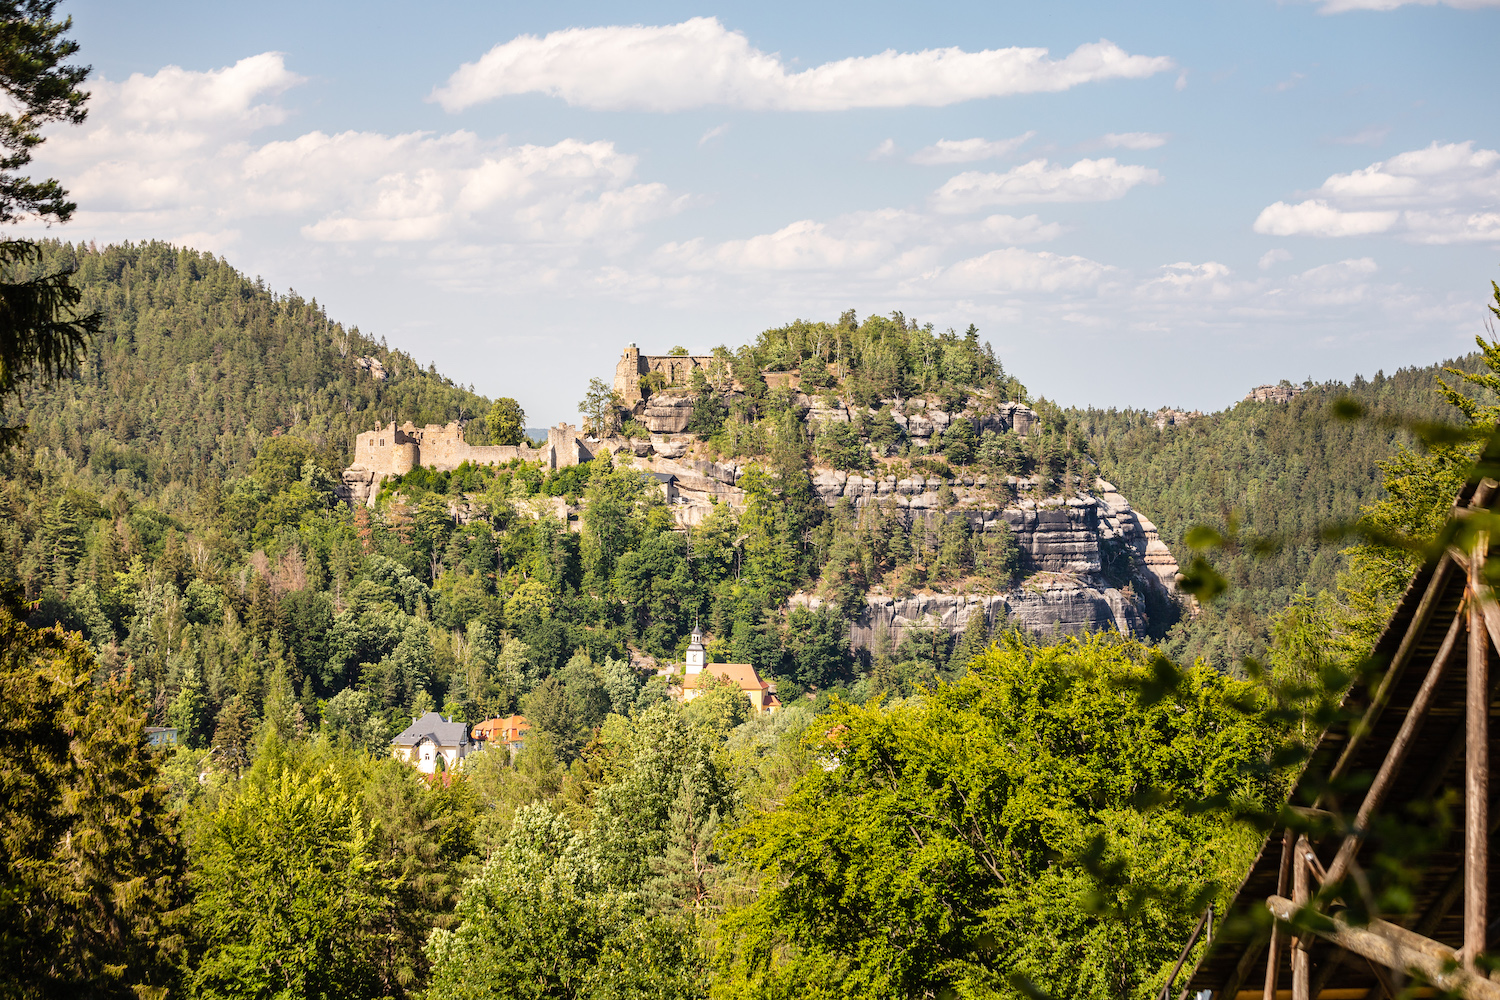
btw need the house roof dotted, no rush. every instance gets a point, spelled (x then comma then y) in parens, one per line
(507, 730)
(1432, 768)
(662, 477)
(741, 674)
(432, 726)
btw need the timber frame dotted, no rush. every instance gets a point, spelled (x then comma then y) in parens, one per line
(1424, 734)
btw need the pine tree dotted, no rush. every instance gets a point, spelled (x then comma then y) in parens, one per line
(189, 710)
(94, 900)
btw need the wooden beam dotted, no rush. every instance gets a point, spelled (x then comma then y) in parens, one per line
(1409, 642)
(1477, 763)
(1397, 948)
(1301, 947)
(1396, 756)
(1284, 875)
(1186, 950)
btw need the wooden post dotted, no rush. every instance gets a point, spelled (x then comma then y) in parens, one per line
(1476, 765)
(1301, 982)
(1273, 961)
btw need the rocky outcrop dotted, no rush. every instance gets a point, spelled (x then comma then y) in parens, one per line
(359, 486)
(921, 418)
(667, 414)
(1168, 417)
(1045, 605)
(1274, 393)
(1089, 562)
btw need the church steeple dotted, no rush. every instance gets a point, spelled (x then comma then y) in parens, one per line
(695, 652)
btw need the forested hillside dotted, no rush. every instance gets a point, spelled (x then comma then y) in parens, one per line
(197, 366)
(1277, 471)
(175, 506)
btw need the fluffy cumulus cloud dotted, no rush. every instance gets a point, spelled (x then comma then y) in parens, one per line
(700, 62)
(1041, 181)
(173, 154)
(969, 150)
(1442, 194)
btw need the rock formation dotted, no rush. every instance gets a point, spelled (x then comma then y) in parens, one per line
(1283, 393)
(1090, 562)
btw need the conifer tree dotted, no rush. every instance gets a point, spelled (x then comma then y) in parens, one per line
(93, 896)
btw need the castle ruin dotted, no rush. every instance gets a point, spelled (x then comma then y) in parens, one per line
(391, 451)
(676, 369)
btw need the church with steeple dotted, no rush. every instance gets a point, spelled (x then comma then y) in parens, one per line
(695, 668)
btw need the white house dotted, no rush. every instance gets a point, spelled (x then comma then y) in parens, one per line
(433, 739)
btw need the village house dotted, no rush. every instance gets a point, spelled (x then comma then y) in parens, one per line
(696, 671)
(509, 732)
(433, 743)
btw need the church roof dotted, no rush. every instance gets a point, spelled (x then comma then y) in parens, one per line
(741, 674)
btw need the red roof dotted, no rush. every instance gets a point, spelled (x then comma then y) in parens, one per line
(507, 730)
(742, 675)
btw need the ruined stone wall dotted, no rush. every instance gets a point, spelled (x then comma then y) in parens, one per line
(633, 365)
(391, 451)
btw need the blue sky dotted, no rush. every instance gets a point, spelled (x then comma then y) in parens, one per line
(1170, 204)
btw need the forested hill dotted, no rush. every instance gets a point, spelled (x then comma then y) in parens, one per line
(197, 365)
(1283, 470)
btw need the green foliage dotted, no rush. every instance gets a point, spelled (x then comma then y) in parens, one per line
(601, 405)
(42, 329)
(953, 842)
(94, 896)
(41, 91)
(506, 422)
(532, 924)
(287, 886)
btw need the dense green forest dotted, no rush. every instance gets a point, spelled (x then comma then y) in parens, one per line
(959, 817)
(1281, 472)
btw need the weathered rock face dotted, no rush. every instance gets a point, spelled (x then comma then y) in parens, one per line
(1090, 562)
(921, 418)
(1045, 606)
(668, 414)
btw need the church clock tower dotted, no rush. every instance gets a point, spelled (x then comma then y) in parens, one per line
(695, 653)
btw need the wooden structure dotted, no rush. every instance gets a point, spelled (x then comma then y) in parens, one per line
(1422, 735)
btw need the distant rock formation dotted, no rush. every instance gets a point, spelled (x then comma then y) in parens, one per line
(1067, 587)
(1168, 417)
(1283, 393)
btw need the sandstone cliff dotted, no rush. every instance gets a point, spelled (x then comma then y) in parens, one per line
(1089, 563)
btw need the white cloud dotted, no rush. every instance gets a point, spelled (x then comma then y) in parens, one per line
(1271, 258)
(1441, 194)
(1318, 218)
(1187, 280)
(1009, 229)
(969, 150)
(700, 62)
(173, 154)
(1039, 181)
(1016, 270)
(714, 133)
(1135, 140)
(1344, 6)
(885, 150)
